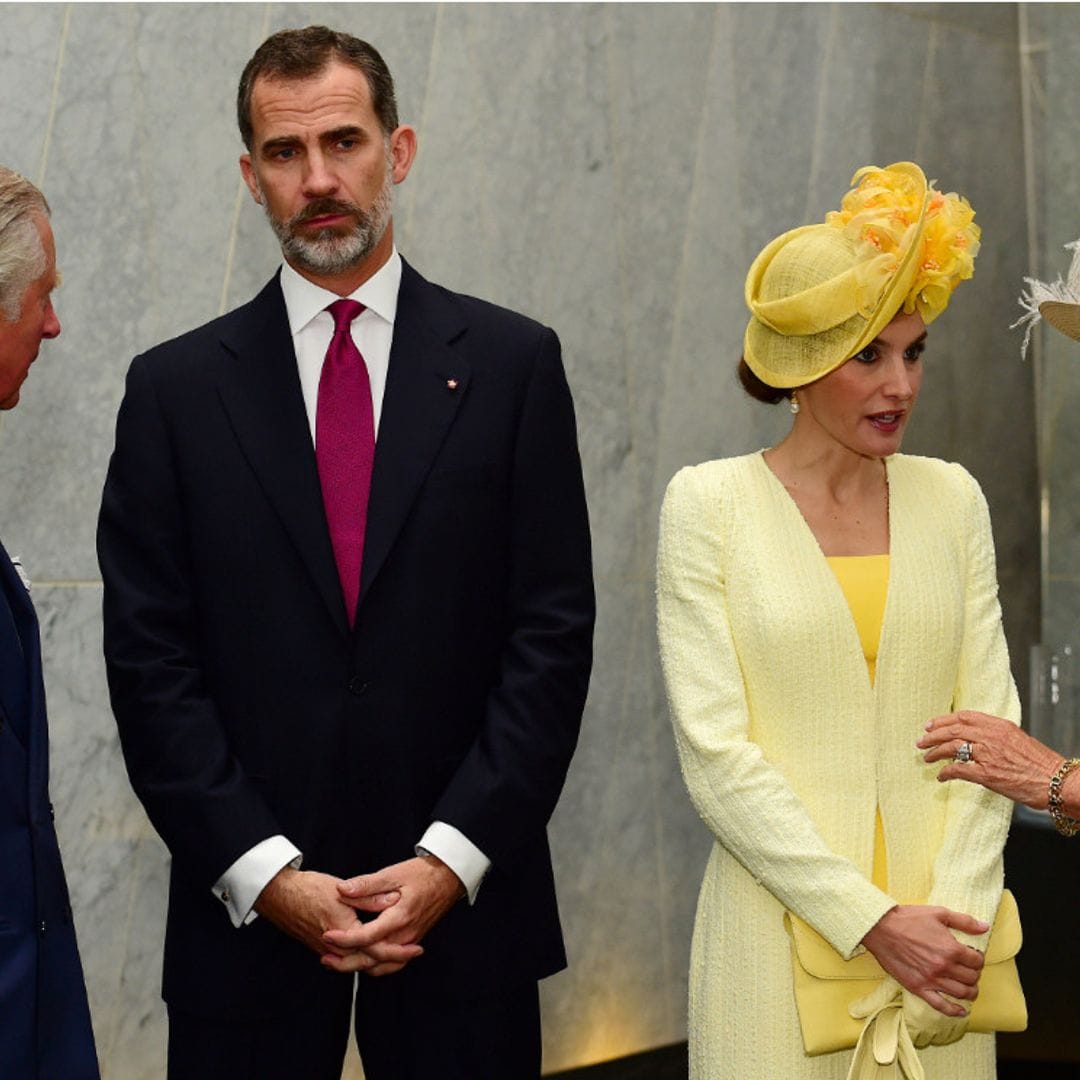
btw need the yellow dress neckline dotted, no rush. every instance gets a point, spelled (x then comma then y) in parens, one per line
(864, 580)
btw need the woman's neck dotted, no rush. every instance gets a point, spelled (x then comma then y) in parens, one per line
(825, 466)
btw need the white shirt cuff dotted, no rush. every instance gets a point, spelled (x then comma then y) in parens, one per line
(239, 887)
(458, 852)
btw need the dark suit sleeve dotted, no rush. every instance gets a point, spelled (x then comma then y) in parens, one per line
(176, 751)
(506, 788)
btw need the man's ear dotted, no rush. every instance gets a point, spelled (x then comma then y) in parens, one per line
(402, 151)
(247, 170)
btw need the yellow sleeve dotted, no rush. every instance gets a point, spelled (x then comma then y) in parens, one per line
(744, 800)
(968, 870)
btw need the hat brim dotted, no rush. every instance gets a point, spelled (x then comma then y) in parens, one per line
(889, 305)
(1062, 316)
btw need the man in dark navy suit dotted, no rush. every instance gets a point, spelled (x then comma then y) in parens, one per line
(45, 1029)
(348, 624)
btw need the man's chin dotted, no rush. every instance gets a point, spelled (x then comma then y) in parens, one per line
(321, 261)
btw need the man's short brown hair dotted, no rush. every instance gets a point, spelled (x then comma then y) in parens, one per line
(303, 54)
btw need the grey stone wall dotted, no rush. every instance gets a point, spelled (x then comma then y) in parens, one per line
(1053, 53)
(609, 169)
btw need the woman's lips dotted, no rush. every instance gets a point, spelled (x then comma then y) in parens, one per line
(887, 422)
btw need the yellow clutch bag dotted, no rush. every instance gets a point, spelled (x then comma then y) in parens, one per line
(826, 984)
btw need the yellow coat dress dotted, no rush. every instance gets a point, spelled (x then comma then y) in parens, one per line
(789, 750)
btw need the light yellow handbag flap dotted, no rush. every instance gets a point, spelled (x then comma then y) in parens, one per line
(1006, 937)
(821, 960)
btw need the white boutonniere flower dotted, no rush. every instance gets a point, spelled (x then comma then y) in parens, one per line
(17, 563)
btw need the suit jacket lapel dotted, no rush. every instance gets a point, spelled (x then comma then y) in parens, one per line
(262, 397)
(426, 383)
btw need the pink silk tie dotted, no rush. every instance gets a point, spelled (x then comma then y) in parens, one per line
(345, 448)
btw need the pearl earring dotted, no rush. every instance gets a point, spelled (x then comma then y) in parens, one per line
(793, 403)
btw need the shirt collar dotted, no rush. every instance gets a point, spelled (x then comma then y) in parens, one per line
(304, 299)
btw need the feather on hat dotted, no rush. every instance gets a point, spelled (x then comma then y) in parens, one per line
(1057, 302)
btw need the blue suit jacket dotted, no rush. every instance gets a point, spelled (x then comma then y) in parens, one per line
(45, 1031)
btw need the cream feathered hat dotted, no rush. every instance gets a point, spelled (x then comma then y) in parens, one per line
(1057, 302)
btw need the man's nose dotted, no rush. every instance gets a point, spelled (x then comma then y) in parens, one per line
(51, 328)
(319, 178)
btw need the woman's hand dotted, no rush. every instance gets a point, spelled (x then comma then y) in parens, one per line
(1003, 758)
(914, 945)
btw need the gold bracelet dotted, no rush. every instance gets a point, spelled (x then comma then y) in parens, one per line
(1067, 826)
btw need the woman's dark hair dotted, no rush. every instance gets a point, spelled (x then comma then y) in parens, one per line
(757, 389)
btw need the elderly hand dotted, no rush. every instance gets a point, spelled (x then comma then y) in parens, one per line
(1003, 758)
(426, 889)
(913, 943)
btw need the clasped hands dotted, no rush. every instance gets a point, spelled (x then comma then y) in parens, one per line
(320, 910)
(930, 970)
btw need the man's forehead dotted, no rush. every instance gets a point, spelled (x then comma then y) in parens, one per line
(338, 95)
(48, 243)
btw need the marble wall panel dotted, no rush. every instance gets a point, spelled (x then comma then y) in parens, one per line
(609, 169)
(117, 866)
(92, 179)
(1054, 50)
(29, 48)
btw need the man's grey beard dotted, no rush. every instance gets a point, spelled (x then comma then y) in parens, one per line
(329, 251)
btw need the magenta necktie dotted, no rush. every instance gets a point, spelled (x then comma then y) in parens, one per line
(345, 448)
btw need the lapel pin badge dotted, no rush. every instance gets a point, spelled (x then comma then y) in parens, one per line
(451, 384)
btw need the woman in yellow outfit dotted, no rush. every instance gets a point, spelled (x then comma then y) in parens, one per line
(818, 603)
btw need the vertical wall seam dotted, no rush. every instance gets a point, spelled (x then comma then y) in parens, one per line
(148, 188)
(238, 202)
(926, 111)
(818, 142)
(674, 352)
(61, 51)
(1030, 88)
(626, 301)
(409, 201)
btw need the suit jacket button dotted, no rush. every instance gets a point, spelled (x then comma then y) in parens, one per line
(42, 928)
(357, 686)
(52, 813)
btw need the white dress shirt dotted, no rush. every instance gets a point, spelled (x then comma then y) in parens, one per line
(312, 327)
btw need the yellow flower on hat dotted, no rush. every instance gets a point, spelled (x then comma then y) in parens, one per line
(882, 209)
(950, 244)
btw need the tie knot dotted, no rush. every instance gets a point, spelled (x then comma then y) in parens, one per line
(343, 312)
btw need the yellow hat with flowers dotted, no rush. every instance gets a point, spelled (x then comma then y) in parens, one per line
(821, 293)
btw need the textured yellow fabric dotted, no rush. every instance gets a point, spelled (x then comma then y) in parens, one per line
(787, 748)
(864, 580)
